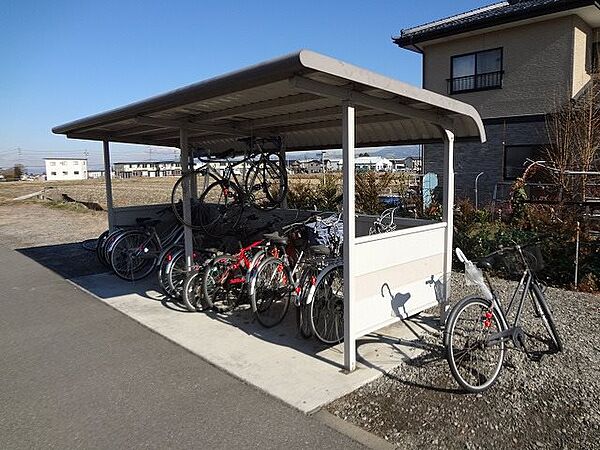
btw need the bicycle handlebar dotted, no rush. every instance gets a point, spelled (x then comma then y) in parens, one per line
(518, 247)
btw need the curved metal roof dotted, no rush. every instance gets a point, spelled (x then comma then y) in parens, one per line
(298, 97)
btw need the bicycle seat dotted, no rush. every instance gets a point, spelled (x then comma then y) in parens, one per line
(320, 250)
(147, 221)
(275, 238)
(212, 251)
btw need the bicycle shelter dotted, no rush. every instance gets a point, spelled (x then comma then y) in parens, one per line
(315, 102)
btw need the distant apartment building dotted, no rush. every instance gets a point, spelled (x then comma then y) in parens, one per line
(334, 165)
(62, 169)
(306, 166)
(132, 169)
(515, 61)
(409, 164)
(373, 163)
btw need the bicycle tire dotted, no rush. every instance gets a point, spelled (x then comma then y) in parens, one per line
(271, 293)
(100, 248)
(547, 317)
(136, 267)
(218, 219)
(307, 280)
(328, 302)
(176, 197)
(266, 177)
(451, 336)
(109, 243)
(162, 263)
(177, 271)
(192, 291)
(214, 269)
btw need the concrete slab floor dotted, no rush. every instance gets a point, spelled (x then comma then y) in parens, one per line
(301, 372)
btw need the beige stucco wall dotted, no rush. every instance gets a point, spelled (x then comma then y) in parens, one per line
(538, 65)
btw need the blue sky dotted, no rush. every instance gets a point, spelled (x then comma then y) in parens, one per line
(63, 60)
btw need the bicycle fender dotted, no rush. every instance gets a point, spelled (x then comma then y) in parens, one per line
(322, 273)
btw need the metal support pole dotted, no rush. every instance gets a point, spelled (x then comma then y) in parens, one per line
(448, 217)
(193, 180)
(108, 184)
(477, 190)
(187, 202)
(348, 137)
(282, 161)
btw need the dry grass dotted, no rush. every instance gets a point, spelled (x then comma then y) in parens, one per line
(126, 192)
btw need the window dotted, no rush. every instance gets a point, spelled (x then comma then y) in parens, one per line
(476, 71)
(53, 173)
(515, 158)
(75, 163)
(76, 172)
(65, 172)
(52, 163)
(63, 163)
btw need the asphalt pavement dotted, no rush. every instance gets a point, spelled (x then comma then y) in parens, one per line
(76, 373)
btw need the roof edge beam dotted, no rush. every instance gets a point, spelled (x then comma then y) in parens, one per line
(346, 94)
(190, 126)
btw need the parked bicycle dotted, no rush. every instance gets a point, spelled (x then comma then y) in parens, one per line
(477, 331)
(258, 180)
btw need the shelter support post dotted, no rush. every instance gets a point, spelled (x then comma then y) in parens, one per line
(187, 205)
(348, 138)
(193, 180)
(283, 162)
(448, 217)
(108, 184)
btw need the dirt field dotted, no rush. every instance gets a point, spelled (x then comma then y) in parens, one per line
(133, 191)
(29, 224)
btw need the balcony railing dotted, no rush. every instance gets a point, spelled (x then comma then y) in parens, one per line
(480, 82)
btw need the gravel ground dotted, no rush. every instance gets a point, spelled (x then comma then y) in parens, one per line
(553, 403)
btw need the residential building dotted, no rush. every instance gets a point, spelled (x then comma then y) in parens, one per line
(408, 164)
(136, 169)
(95, 174)
(60, 169)
(374, 163)
(306, 166)
(515, 62)
(333, 165)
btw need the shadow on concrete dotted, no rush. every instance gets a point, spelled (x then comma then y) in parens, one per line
(70, 260)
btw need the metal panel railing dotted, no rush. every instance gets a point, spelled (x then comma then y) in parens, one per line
(475, 82)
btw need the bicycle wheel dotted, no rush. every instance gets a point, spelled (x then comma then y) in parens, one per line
(272, 291)
(163, 261)
(475, 362)
(133, 255)
(177, 272)
(197, 179)
(327, 306)
(100, 248)
(214, 277)
(307, 281)
(546, 317)
(109, 242)
(219, 208)
(266, 184)
(192, 291)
